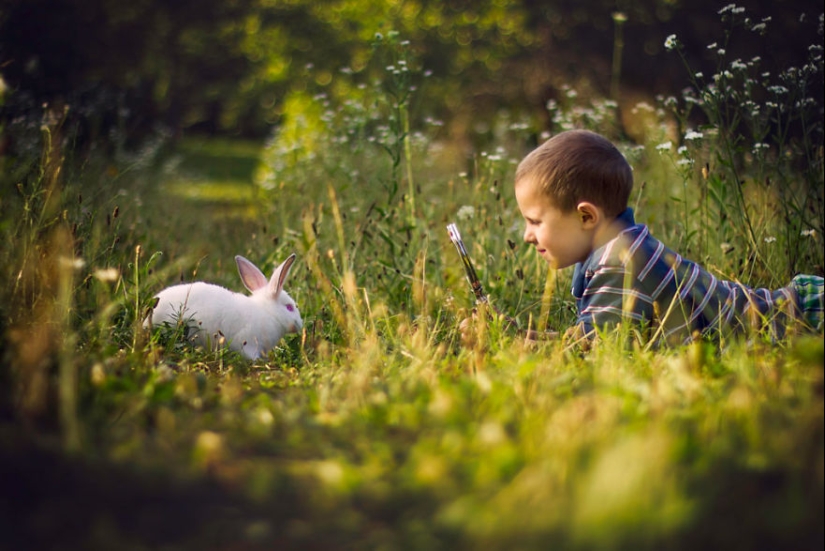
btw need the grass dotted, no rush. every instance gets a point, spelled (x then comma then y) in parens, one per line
(377, 427)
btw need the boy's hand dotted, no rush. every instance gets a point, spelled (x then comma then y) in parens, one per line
(467, 328)
(531, 335)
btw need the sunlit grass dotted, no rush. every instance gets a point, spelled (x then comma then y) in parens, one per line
(379, 427)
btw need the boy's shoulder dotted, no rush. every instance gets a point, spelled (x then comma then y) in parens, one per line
(631, 243)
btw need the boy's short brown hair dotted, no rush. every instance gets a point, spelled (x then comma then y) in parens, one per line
(579, 165)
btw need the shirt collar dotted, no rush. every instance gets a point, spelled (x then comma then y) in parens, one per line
(626, 219)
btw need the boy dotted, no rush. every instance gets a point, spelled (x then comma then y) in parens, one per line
(573, 191)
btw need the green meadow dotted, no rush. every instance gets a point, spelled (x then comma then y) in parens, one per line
(379, 425)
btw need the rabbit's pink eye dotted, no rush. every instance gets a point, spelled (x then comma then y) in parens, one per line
(290, 307)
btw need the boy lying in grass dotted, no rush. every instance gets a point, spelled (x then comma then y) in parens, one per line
(573, 191)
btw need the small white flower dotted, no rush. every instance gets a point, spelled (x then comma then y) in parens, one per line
(665, 146)
(73, 262)
(693, 135)
(770, 239)
(671, 42)
(107, 275)
(466, 212)
(808, 233)
(712, 46)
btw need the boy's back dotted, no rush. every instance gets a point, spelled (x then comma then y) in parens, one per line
(635, 277)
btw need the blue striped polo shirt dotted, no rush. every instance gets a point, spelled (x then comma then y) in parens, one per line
(635, 278)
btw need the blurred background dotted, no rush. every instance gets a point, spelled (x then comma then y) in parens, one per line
(128, 70)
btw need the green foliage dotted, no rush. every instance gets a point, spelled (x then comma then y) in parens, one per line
(758, 144)
(381, 426)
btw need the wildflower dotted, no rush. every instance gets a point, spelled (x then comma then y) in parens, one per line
(107, 275)
(693, 135)
(671, 42)
(72, 262)
(778, 90)
(727, 248)
(619, 17)
(759, 147)
(699, 75)
(808, 233)
(737, 65)
(712, 46)
(770, 239)
(466, 212)
(665, 146)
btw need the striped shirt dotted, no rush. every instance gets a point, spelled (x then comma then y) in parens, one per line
(635, 278)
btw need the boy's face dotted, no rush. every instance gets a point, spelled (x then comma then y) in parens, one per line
(561, 238)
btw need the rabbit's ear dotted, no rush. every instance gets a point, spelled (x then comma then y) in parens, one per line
(276, 282)
(253, 279)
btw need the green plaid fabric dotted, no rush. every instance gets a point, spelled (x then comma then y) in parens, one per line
(809, 290)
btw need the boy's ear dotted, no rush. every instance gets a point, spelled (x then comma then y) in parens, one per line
(589, 214)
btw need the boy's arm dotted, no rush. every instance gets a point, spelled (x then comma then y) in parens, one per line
(611, 296)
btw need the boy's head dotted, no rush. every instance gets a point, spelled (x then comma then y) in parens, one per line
(576, 166)
(570, 191)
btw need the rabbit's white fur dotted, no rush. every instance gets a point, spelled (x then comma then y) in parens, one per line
(249, 324)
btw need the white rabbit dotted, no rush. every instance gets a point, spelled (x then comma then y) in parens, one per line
(249, 324)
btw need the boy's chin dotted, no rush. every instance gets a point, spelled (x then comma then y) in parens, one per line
(554, 264)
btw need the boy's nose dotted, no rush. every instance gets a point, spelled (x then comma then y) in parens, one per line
(529, 236)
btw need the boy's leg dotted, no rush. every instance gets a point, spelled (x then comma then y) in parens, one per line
(809, 290)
